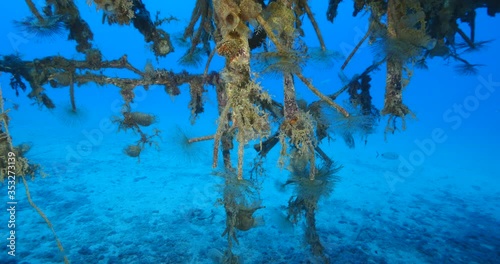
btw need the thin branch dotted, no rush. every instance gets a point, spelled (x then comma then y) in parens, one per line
(356, 78)
(356, 48)
(210, 57)
(323, 97)
(315, 26)
(466, 38)
(199, 139)
(45, 218)
(270, 33)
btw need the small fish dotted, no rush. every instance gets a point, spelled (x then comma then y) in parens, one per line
(388, 155)
(325, 81)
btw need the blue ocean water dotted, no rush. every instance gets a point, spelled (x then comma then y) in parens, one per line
(429, 194)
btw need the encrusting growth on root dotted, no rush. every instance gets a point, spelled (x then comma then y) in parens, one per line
(393, 101)
(309, 85)
(240, 114)
(199, 139)
(270, 34)
(218, 135)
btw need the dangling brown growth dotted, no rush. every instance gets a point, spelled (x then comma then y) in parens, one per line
(312, 236)
(393, 101)
(72, 93)
(46, 219)
(203, 12)
(225, 137)
(240, 200)
(196, 103)
(239, 115)
(133, 120)
(5, 139)
(222, 127)
(295, 206)
(22, 169)
(306, 196)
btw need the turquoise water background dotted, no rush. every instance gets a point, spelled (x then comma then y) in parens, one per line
(439, 202)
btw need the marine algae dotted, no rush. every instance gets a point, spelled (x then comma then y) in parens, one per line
(406, 33)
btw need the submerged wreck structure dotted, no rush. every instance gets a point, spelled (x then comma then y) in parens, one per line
(255, 38)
